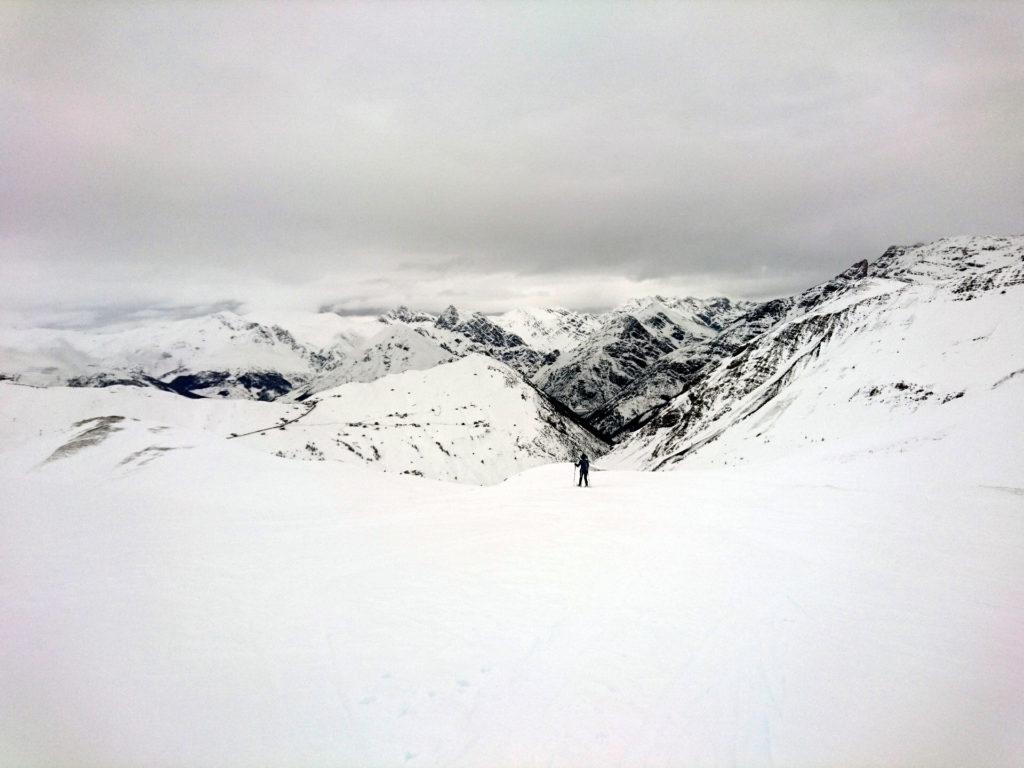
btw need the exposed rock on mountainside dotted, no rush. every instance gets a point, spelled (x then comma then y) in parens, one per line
(258, 385)
(634, 403)
(631, 340)
(610, 359)
(868, 331)
(477, 334)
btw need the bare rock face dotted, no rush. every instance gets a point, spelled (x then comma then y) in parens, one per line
(594, 371)
(643, 353)
(833, 287)
(671, 374)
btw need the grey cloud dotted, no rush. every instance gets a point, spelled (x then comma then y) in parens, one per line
(194, 153)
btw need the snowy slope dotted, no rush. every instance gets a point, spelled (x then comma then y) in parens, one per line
(694, 317)
(830, 575)
(320, 330)
(548, 329)
(889, 353)
(393, 348)
(966, 263)
(473, 421)
(964, 266)
(212, 605)
(223, 343)
(461, 333)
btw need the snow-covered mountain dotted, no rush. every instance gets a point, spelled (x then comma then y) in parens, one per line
(228, 355)
(891, 352)
(629, 340)
(549, 329)
(331, 335)
(694, 317)
(222, 354)
(462, 333)
(472, 421)
(393, 348)
(631, 405)
(609, 359)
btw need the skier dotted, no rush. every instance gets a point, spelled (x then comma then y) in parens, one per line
(584, 465)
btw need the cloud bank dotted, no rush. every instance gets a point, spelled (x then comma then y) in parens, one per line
(365, 155)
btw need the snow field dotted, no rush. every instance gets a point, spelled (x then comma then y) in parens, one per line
(220, 607)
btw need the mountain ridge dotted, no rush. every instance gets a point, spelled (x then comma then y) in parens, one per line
(867, 309)
(623, 374)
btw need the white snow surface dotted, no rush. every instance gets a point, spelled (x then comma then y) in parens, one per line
(171, 598)
(221, 341)
(320, 330)
(390, 349)
(472, 421)
(548, 329)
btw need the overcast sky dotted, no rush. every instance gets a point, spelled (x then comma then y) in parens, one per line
(180, 155)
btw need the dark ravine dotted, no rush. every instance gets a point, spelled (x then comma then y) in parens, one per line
(569, 414)
(265, 385)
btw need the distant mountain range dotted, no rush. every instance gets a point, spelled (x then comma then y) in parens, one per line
(660, 377)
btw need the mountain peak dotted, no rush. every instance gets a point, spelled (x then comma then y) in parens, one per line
(449, 318)
(402, 314)
(855, 271)
(951, 259)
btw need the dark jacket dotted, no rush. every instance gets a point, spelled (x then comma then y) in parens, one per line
(583, 464)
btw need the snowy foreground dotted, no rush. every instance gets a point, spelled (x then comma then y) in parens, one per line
(215, 605)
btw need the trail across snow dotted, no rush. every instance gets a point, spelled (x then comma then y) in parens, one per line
(221, 607)
(283, 423)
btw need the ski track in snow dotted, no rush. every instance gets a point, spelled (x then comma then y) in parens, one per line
(284, 423)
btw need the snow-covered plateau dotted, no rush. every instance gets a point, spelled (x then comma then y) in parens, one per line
(825, 568)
